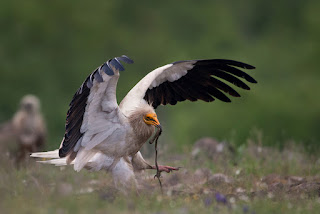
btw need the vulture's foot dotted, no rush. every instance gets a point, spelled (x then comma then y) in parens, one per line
(166, 169)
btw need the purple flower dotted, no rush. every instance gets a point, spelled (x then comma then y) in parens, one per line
(221, 198)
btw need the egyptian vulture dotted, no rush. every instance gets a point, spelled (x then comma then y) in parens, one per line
(100, 134)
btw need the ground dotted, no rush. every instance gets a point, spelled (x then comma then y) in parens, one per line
(214, 178)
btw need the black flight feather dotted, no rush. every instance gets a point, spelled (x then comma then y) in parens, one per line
(202, 82)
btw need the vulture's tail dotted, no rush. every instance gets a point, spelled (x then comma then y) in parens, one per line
(51, 157)
(50, 154)
(93, 161)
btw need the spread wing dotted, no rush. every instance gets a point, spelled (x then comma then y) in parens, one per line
(94, 114)
(189, 80)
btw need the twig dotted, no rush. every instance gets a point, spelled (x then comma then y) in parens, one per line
(155, 138)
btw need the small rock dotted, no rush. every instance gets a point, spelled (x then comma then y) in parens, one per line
(270, 195)
(273, 178)
(310, 188)
(211, 148)
(240, 190)
(244, 198)
(201, 176)
(219, 178)
(238, 171)
(295, 180)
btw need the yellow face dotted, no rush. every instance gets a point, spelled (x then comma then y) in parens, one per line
(151, 119)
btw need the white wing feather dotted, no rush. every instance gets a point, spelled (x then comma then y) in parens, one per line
(101, 120)
(170, 72)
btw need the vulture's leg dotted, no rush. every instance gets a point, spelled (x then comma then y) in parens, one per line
(167, 169)
(139, 163)
(123, 176)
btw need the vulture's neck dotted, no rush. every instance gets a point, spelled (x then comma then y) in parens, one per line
(142, 131)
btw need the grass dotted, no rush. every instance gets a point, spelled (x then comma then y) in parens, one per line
(250, 179)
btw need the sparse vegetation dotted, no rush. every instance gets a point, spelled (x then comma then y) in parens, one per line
(213, 178)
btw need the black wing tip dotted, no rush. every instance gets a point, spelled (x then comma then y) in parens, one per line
(225, 99)
(246, 66)
(236, 95)
(237, 64)
(125, 59)
(225, 61)
(253, 81)
(62, 154)
(106, 68)
(245, 88)
(250, 79)
(115, 62)
(250, 67)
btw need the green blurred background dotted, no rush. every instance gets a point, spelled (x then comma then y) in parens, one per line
(48, 48)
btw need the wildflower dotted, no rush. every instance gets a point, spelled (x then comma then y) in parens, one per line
(221, 198)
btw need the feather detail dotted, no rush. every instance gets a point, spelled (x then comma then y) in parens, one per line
(96, 94)
(82, 158)
(49, 154)
(188, 80)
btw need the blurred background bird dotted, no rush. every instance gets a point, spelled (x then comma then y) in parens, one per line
(26, 132)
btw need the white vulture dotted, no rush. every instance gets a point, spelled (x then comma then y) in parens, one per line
(100, 134)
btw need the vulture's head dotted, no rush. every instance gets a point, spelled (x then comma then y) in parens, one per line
(30, 103)
(144, 121)
(151, 119)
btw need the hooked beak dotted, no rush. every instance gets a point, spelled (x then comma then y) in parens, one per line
(158, 126)
(151, 119)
